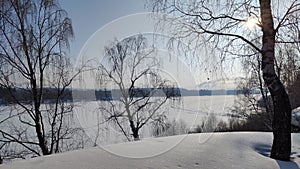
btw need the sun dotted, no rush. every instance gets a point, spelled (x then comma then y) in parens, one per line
(251, 23)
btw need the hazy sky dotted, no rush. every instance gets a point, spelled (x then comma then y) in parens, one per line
(90, 15)
(96, 22)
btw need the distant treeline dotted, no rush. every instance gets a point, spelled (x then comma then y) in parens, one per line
(22, 95)
(203, 92)
(115, 94)
(51, 95)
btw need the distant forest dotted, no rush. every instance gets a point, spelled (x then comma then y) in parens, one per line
(50, 95)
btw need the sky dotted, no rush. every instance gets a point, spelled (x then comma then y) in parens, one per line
(90, 15)
(97, 22)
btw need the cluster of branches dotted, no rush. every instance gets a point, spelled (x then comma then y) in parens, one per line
(215, 20)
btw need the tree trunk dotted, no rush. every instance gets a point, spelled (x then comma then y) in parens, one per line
(135, 131)
(281, 147)
(1, 160)
(40, 134)
(38, 119)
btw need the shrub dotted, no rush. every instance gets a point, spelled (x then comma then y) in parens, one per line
(169, 128)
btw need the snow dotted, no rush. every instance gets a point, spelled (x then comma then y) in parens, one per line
(296, 117)
(247, 150)
(192, 110)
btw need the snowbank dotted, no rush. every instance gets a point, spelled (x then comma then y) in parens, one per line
(240, 150)
(296, 117)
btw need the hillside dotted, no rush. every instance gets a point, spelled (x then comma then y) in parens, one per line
(206, 151)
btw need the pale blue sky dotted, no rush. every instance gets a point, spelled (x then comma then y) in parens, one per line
(111, 16)
(95, 23)
(90, 15)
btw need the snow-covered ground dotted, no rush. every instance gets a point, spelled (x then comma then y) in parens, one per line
(191, 110)
(237, 150)
(296, 117)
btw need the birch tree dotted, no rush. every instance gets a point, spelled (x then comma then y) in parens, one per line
(223, 25)
(34, 38)
(141, 91)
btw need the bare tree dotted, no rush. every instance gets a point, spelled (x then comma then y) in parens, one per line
(286, 65)
(139, 89)
(222, 23)
(35, 73)
(249, 103)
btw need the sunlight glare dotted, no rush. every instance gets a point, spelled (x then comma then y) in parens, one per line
(251, 23)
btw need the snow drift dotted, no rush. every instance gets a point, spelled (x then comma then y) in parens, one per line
(236, 150)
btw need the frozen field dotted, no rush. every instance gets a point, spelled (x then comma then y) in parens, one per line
(192, 110)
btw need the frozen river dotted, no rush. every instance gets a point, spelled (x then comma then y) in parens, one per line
(190, 109)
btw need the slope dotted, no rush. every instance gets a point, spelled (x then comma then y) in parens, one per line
(247, 150)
